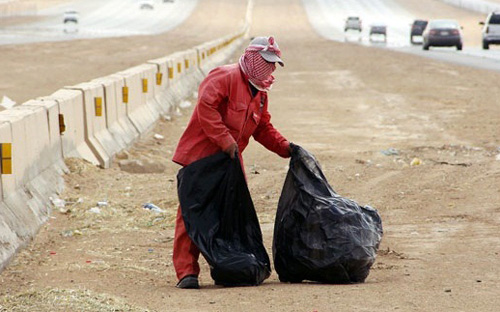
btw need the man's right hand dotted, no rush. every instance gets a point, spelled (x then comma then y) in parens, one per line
(232, 150)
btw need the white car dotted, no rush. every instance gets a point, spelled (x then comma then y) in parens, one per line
(491, 30)
(354, 23)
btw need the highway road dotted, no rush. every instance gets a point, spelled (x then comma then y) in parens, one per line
(328, 18)
(117, 18)
(113, 18)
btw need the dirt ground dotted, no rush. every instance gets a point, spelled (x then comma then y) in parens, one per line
(438, 196)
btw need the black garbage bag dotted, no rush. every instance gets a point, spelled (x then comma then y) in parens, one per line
(220, 219)
(318, 235)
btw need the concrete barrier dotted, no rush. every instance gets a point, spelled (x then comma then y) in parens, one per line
(220, 50)
(55, 156)
(163, 87)
(30, 145)
(203, 58)
(195, 68)
(73, 140)
(149, 76)
(191, 76)
(475, 5)
(142, 114)
(35, 174)
(97, 136)
(117, 121)
(179, 81)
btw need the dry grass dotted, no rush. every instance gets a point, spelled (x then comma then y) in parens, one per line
(64, 300)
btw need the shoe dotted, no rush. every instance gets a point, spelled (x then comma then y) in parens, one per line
(188, 282)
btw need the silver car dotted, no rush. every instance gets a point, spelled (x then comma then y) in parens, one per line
(354, 23)
(491, 30)
(442, 33)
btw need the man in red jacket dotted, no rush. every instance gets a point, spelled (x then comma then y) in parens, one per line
(232, 107)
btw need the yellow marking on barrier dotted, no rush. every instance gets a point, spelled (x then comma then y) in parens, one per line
(62, 125)
(159, 77)
(171, 73)
(6, 155)
(203, 56)
(98, 106)
(144, 85)
(186, 63)
(179, 67)
(198, 59)
(125, 94)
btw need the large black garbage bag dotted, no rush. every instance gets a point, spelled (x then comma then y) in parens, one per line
(318, 235)
(220, 219)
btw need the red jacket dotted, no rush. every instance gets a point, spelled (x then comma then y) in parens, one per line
(227, 113)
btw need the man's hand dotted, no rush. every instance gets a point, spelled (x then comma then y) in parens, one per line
(232, 150)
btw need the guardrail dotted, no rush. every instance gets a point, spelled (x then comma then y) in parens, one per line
(94, 121)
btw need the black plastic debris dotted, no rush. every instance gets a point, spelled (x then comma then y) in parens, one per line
(319, 235)
(220, 219)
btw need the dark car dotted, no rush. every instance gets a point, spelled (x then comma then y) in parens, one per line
(417, 29)
(70, 16)
(378, 29)
(442, 33)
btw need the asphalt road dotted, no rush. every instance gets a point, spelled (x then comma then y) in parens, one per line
(98, 19)
(328, 17)
(118, 18)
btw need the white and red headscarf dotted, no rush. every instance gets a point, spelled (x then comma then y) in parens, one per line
(256, 69)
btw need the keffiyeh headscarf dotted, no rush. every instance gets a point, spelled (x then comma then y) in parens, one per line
(257, 70)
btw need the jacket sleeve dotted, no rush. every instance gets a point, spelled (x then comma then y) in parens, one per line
(212, 92)
(269, 137)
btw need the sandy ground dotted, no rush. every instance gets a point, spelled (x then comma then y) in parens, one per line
(345, 103)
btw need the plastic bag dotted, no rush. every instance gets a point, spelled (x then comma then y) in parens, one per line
(220, 219)
(318, 235)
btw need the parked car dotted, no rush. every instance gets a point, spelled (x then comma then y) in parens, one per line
(146, 5)
(491, 30)
(354, 23)
(442, 33)
(378, 29)
(70, 16)
(417, 29)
